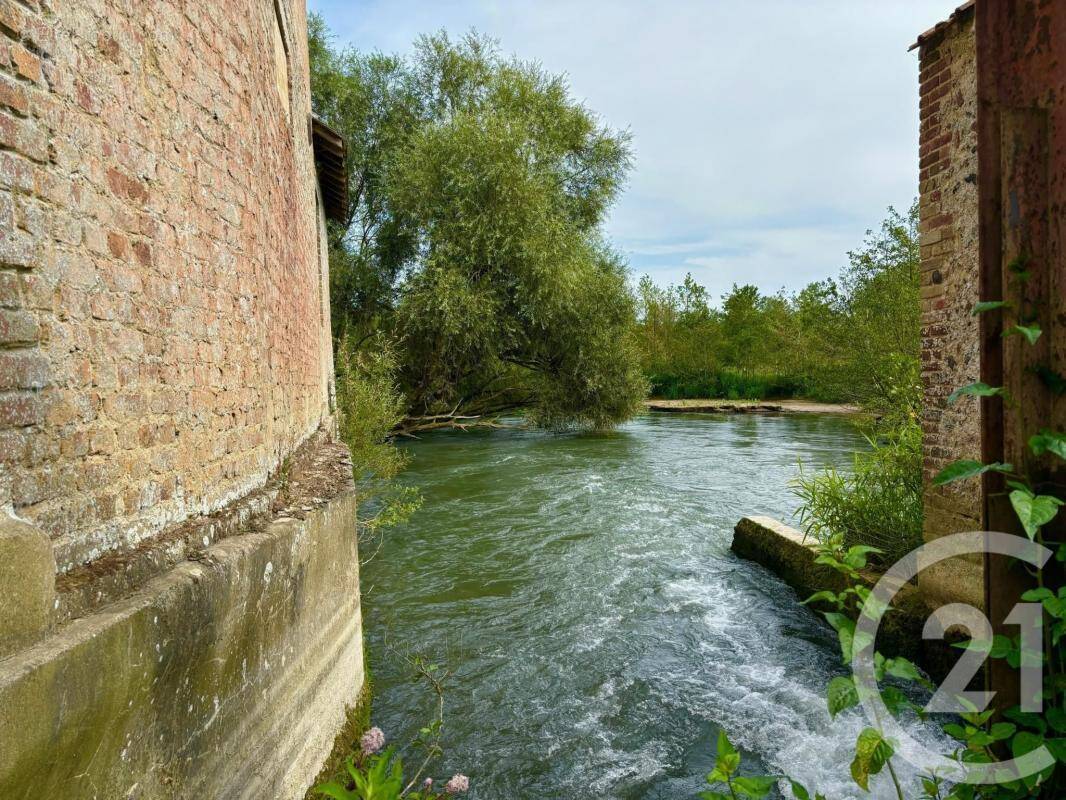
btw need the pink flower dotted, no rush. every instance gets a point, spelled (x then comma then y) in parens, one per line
(427, 784)
(372, 742)
(457, 785)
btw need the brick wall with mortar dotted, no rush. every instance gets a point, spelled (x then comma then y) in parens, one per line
(949, 252)
(162, 340)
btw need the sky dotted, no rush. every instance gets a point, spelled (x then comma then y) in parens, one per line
(769, 135)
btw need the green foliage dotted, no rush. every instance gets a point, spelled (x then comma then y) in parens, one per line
(853, 339)
(726, 767)
(988, 305)
(1055, 382)
(977, 389)
(690, 349)
(1048, 441)
(966, 468)
(801, 793)
(1033, 511)
(379, 777)
(841, 695)
(877, 504)
(1030, 332)
(729, 384)
(477, 189)
(370, 406)
(375, 774)
(872, 752)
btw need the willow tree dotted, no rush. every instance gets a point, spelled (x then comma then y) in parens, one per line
(477, 190)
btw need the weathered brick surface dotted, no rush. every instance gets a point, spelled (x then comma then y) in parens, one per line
(163, 345)
(950, 335)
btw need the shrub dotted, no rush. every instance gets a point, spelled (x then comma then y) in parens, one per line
(370, 406)
(373, 774)
(879, 504)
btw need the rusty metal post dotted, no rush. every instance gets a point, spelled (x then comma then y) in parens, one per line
(1021, 133)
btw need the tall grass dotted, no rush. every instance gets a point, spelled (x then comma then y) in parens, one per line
(879, 504)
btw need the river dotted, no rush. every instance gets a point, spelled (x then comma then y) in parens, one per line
(599, 630)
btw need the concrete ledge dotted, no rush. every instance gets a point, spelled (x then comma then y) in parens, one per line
(227, 676)
(783, 551)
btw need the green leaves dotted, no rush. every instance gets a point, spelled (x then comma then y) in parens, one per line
(1001, 731)
(801, 793)
(478, 190)
(850, 639)
(1019, 267)
(904, 669)
(727, 762)
(978, 389)
(1030, 332)
(841, 695)
(872, 752)
(1026, 742)
(832, 598)
(381, 778)
(1001, 647)
(1033, 511)
(754, 786)
(896, 701)
(988, 305)
(336, 791)
(728, 758)
(1054, 381)
(967, 468)
(1048, 441)
(856, 555)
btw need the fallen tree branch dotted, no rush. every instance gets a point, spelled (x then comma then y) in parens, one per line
(411, 426)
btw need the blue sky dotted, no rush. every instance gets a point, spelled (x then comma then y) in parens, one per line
(768, 135)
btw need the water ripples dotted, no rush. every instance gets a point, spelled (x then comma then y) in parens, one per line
(601, 630)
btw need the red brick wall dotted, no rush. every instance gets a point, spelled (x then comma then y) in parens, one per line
(950, 335)
(162, 343)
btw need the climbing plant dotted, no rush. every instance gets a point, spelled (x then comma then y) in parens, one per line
(985, 737)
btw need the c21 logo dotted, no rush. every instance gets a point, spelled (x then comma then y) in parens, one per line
(952, 695)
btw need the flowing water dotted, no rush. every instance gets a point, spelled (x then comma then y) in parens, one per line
(599, 629)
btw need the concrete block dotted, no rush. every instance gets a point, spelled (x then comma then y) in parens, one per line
(228, 676)
(27, 583)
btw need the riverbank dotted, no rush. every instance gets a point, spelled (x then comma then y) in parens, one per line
(750, 407)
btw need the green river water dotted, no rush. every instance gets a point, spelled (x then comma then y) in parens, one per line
(600, 630)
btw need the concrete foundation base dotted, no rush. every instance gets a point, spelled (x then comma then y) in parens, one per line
(228, 676)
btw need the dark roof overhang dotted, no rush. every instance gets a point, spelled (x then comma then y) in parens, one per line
(330, 152)
(958, 15)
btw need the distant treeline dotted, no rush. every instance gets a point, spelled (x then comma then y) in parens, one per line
(850, 339)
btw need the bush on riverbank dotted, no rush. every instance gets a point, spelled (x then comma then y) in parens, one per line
(879, 504)
(369, 406)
